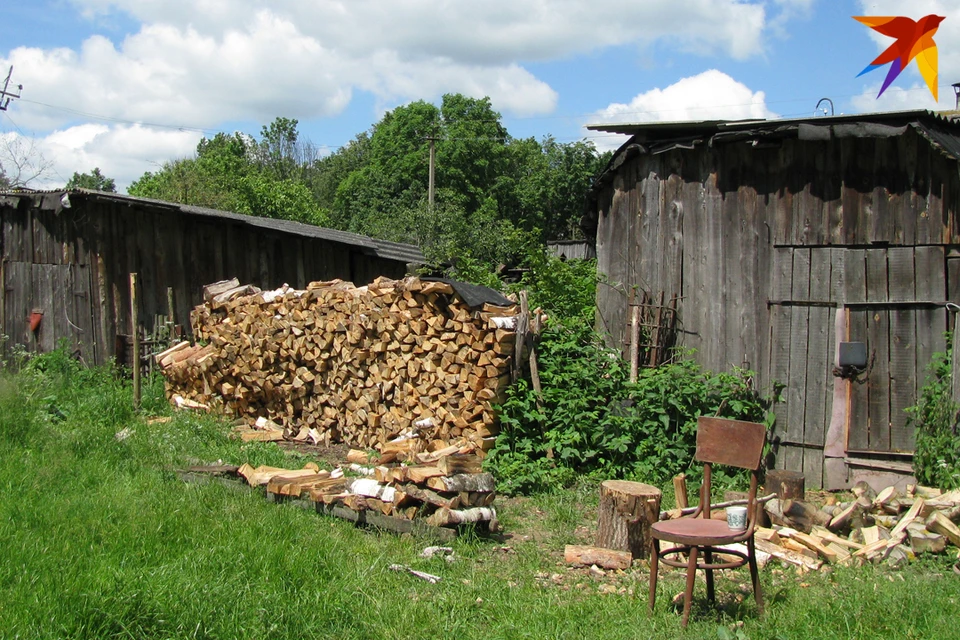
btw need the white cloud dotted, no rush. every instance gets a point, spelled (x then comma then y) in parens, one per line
(122, 152)
(711, 95)
(203, 62)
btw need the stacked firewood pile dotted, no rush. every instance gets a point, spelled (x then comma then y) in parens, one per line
(889, 526)
(440, 489)
(397, 363)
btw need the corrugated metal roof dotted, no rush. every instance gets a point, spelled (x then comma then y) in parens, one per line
(380, 248)
(703, 127)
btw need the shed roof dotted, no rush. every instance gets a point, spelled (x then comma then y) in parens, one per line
(371, 246)
(941, 129)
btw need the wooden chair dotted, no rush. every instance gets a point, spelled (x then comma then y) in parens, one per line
(719, 441)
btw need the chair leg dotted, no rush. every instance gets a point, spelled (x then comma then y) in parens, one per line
(688, 593)
(654, 563)
(754, 574)
(708, 559)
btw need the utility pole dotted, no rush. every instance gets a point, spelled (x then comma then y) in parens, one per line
(7, 96)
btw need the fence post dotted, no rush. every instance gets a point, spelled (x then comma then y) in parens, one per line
(135, 322)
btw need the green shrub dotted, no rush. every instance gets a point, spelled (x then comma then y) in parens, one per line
(936, 460)
(593, 421)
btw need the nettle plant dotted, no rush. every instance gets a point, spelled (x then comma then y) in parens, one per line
(592, 421)
(936, 460)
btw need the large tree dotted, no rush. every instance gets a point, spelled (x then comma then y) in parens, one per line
(93, 180)
(238, 173)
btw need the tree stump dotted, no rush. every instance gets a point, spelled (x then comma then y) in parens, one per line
(627, 510)
(788, 485)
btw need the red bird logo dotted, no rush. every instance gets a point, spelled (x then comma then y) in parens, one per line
(914, 40)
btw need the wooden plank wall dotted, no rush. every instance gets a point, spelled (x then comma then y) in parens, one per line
(75, 265)
(736, 227)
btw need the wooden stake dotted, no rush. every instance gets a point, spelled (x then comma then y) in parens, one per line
(135, 323)
(680, 489)
(634, 343)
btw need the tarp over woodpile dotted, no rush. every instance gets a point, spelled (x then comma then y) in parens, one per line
(339, 363)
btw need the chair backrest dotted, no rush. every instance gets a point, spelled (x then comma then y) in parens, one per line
(731, 442)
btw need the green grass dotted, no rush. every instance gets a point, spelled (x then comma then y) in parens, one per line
(101, 540)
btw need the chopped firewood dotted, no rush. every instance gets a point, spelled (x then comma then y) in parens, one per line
(262, 474)
(463, 482)
(580, 556)
(830, 537)
(294, 485)
(812, 542)
(797, 559)
(939, 523)
(848, 515)
(446, 517)
(929, 493)
(770, 535)
(392, 366)
(884, 497)
(799, 548)
(431, 497)
(923, 541)
(459, 463)
(796, 514)
(863, 490)
(372, 489)
(421, 474)
(358, 457)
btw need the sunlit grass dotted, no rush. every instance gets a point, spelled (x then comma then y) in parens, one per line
(101, 540)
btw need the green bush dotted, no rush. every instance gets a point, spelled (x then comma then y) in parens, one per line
(593, 421)
(936, 460)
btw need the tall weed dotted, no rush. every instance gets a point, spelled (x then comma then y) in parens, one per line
(591, 420)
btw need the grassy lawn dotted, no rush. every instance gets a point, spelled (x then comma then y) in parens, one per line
(101, 540)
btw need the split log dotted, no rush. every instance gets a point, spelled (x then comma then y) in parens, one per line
(431, 497)
(922, 541)
(795, 514)
(680, 490)
(460, 463)
(580, 556)
(627, 511)
(790, 557)
(447, 517)
(939, 523)
(463, 482)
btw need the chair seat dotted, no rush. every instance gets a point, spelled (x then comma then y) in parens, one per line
(697, 531)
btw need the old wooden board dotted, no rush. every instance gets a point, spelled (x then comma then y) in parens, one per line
(903, 377)
(799, 352)
(819, 366)
(390, 523)
(366, 517)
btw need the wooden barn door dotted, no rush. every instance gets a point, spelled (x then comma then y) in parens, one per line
(894, 301)
(897, 310)
(807, 285)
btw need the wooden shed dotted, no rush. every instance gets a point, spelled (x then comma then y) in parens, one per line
(68, 254)
(783, 239)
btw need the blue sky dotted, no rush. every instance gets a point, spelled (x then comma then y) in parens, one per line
(126, 84)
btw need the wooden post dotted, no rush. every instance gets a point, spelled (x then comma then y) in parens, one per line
(135, 325)
(634, 343)
(656, 334)
(627, 511)
(680, 489)
(955, 362)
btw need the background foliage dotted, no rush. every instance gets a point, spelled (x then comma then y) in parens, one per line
(936, 460)
(496, 196)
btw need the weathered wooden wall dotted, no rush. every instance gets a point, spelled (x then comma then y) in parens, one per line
(765, 243)
(75, 264)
